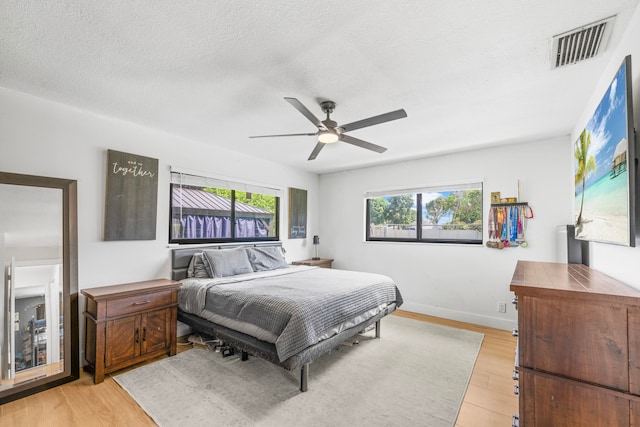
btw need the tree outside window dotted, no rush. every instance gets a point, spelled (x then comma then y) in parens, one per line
(438, 215)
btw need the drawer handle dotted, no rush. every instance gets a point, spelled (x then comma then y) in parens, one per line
(516, 389)
(514, 332)
(142, 302)
(516, 375)
(137, 336)
(144, 334)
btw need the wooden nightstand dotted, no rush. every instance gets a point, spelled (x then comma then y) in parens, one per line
(129, 323)
(322, 262)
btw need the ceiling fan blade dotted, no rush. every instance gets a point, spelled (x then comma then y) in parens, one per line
(319, 146)
(305, 111)
(363, 144)
(286, 134)
(375, 120)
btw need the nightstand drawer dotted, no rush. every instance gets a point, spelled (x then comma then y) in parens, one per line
(320, 262)
(137, 303)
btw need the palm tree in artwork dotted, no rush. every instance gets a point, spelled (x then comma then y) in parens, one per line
(586, 165)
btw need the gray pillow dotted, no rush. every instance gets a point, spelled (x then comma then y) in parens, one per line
(228, 262)
(266, 258)
(197, 267)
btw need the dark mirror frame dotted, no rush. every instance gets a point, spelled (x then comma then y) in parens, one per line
(69, 285)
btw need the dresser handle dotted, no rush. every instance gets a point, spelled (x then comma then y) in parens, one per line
(514, 332)
(144, 334)
(137, 336)
(516, 375)
(515, 421)
(516, 389)
(142, 302)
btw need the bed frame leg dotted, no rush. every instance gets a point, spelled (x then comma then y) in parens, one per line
(304, 377)
(378, 329)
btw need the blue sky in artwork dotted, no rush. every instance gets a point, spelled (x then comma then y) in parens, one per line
(608, 125)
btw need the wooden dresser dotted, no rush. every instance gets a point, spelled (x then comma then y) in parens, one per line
(126, 324)
(578, 347)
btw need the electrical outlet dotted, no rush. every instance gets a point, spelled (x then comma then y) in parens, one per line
(502, 307)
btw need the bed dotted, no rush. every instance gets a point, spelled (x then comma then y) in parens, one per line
(249, 297)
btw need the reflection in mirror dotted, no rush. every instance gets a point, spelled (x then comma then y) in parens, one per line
(38, 247)
(36, 348)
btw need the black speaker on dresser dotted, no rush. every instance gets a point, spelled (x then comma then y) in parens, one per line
(577, 250)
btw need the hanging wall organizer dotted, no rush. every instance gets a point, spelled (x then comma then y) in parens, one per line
(507, 225)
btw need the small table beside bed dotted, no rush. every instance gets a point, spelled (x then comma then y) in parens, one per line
(249, 297)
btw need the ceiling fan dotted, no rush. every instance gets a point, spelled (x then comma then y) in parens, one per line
(329, 131)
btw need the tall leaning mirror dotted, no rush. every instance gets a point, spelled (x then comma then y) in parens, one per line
(39, 298)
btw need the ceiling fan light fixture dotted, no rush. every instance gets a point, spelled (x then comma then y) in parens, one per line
(330, 132)
(327, 137)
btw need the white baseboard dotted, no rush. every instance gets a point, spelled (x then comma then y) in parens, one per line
(460, 316)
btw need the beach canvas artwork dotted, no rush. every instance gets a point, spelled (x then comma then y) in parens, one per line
(601, 169)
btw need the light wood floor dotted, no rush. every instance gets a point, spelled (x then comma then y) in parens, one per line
(489, 400)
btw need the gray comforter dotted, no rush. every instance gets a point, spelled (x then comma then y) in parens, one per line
(293, 307)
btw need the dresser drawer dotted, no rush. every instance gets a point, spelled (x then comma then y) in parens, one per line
(137, 303)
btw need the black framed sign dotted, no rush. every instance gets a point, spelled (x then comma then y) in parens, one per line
(297, 213)
(131, 197)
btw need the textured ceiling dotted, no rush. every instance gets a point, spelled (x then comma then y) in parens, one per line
(469, 74)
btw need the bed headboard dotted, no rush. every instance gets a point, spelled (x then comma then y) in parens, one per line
(180, 257)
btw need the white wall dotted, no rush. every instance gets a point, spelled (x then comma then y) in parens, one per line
(454, 281)
(617, 261)
(461, 282)
(39, 137)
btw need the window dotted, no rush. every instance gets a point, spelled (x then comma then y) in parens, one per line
(443, 214)
(210, 210)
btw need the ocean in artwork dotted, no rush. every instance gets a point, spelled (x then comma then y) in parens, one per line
(605, 215)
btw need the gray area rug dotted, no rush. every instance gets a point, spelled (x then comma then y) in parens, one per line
(416, 374)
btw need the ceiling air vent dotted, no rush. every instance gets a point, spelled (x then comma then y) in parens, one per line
(582, 43)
